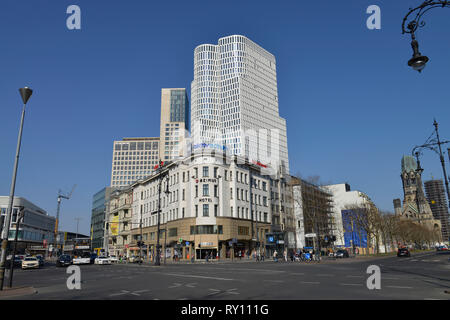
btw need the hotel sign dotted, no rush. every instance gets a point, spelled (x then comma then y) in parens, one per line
(205, 180)
(205, 200)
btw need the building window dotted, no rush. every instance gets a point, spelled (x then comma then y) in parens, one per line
(205, 171)
(216, 188)
(215, 171)
(196, 210)
(172, 232)
(205, 190)
(243, 231)
(206, 210)
(215, 210)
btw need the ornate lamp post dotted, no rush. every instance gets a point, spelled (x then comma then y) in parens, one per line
(431, 144)
(411, 22)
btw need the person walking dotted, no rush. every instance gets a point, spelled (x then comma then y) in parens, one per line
(275, 258)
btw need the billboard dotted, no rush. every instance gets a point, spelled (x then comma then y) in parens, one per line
(115, 225)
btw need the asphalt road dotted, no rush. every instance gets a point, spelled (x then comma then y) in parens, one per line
(422, 276)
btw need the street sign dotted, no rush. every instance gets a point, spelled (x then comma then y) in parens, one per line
(310, 235)
(280, 241)
(187, 243)
(180, 240)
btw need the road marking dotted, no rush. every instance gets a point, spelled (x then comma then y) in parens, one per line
(138, 293)
(189, 285)
(399, 287)
(355, 276)
(194, 276)
(310, 282)
(120, 293)
(350, 284)
(229, 291)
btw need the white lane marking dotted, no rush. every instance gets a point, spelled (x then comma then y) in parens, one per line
(138, 293)
(213, 293)
(120, 293)
(194, 276)
(191, 285)
(350, 284)
(414, 260)
(399, 287)
(175, 285)
(310, 282)
(229, 291)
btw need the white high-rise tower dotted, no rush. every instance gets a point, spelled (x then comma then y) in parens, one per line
(234, 101)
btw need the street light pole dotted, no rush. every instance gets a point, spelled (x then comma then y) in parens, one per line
(25, 94)
(11, 267)
(442, 160)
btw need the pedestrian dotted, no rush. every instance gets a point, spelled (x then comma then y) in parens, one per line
(240, 254)
(285, 255)
(275, 258)
(262, 257)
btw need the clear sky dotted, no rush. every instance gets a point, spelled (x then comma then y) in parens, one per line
(353, 106)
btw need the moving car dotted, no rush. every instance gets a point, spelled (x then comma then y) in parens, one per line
(83, 259)
(113, 259)
(341, 254)
(441, 248)
(403, 252)
(30, 262)
(64, 260)
(102, 260)
(41, 260)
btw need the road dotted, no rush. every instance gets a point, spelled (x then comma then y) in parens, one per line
(422, 276)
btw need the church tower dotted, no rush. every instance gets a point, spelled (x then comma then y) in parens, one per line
(415, 206)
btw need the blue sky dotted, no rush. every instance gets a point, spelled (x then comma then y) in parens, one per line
(353, 106)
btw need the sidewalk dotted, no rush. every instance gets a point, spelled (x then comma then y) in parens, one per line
(18, 291)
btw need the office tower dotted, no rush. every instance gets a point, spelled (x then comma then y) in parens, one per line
(174, 123)
(133, 159)
(438, 203)
(234, 99)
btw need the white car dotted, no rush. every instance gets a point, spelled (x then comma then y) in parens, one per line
(30, 262)
(80, 260)
(102, 260)
(113, 259)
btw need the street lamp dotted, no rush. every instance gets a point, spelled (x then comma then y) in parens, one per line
(431, 144)
(411, 22)
(161, 177)
(25, 93)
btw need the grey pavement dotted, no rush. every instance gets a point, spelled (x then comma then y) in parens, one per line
(422, 276)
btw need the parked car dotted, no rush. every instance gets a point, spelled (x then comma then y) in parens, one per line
(17, 261)
(102, 260)
(403, 252)
(113, 259)
(30, 262)
(441, 248)
(64, 260)
(341, 254)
